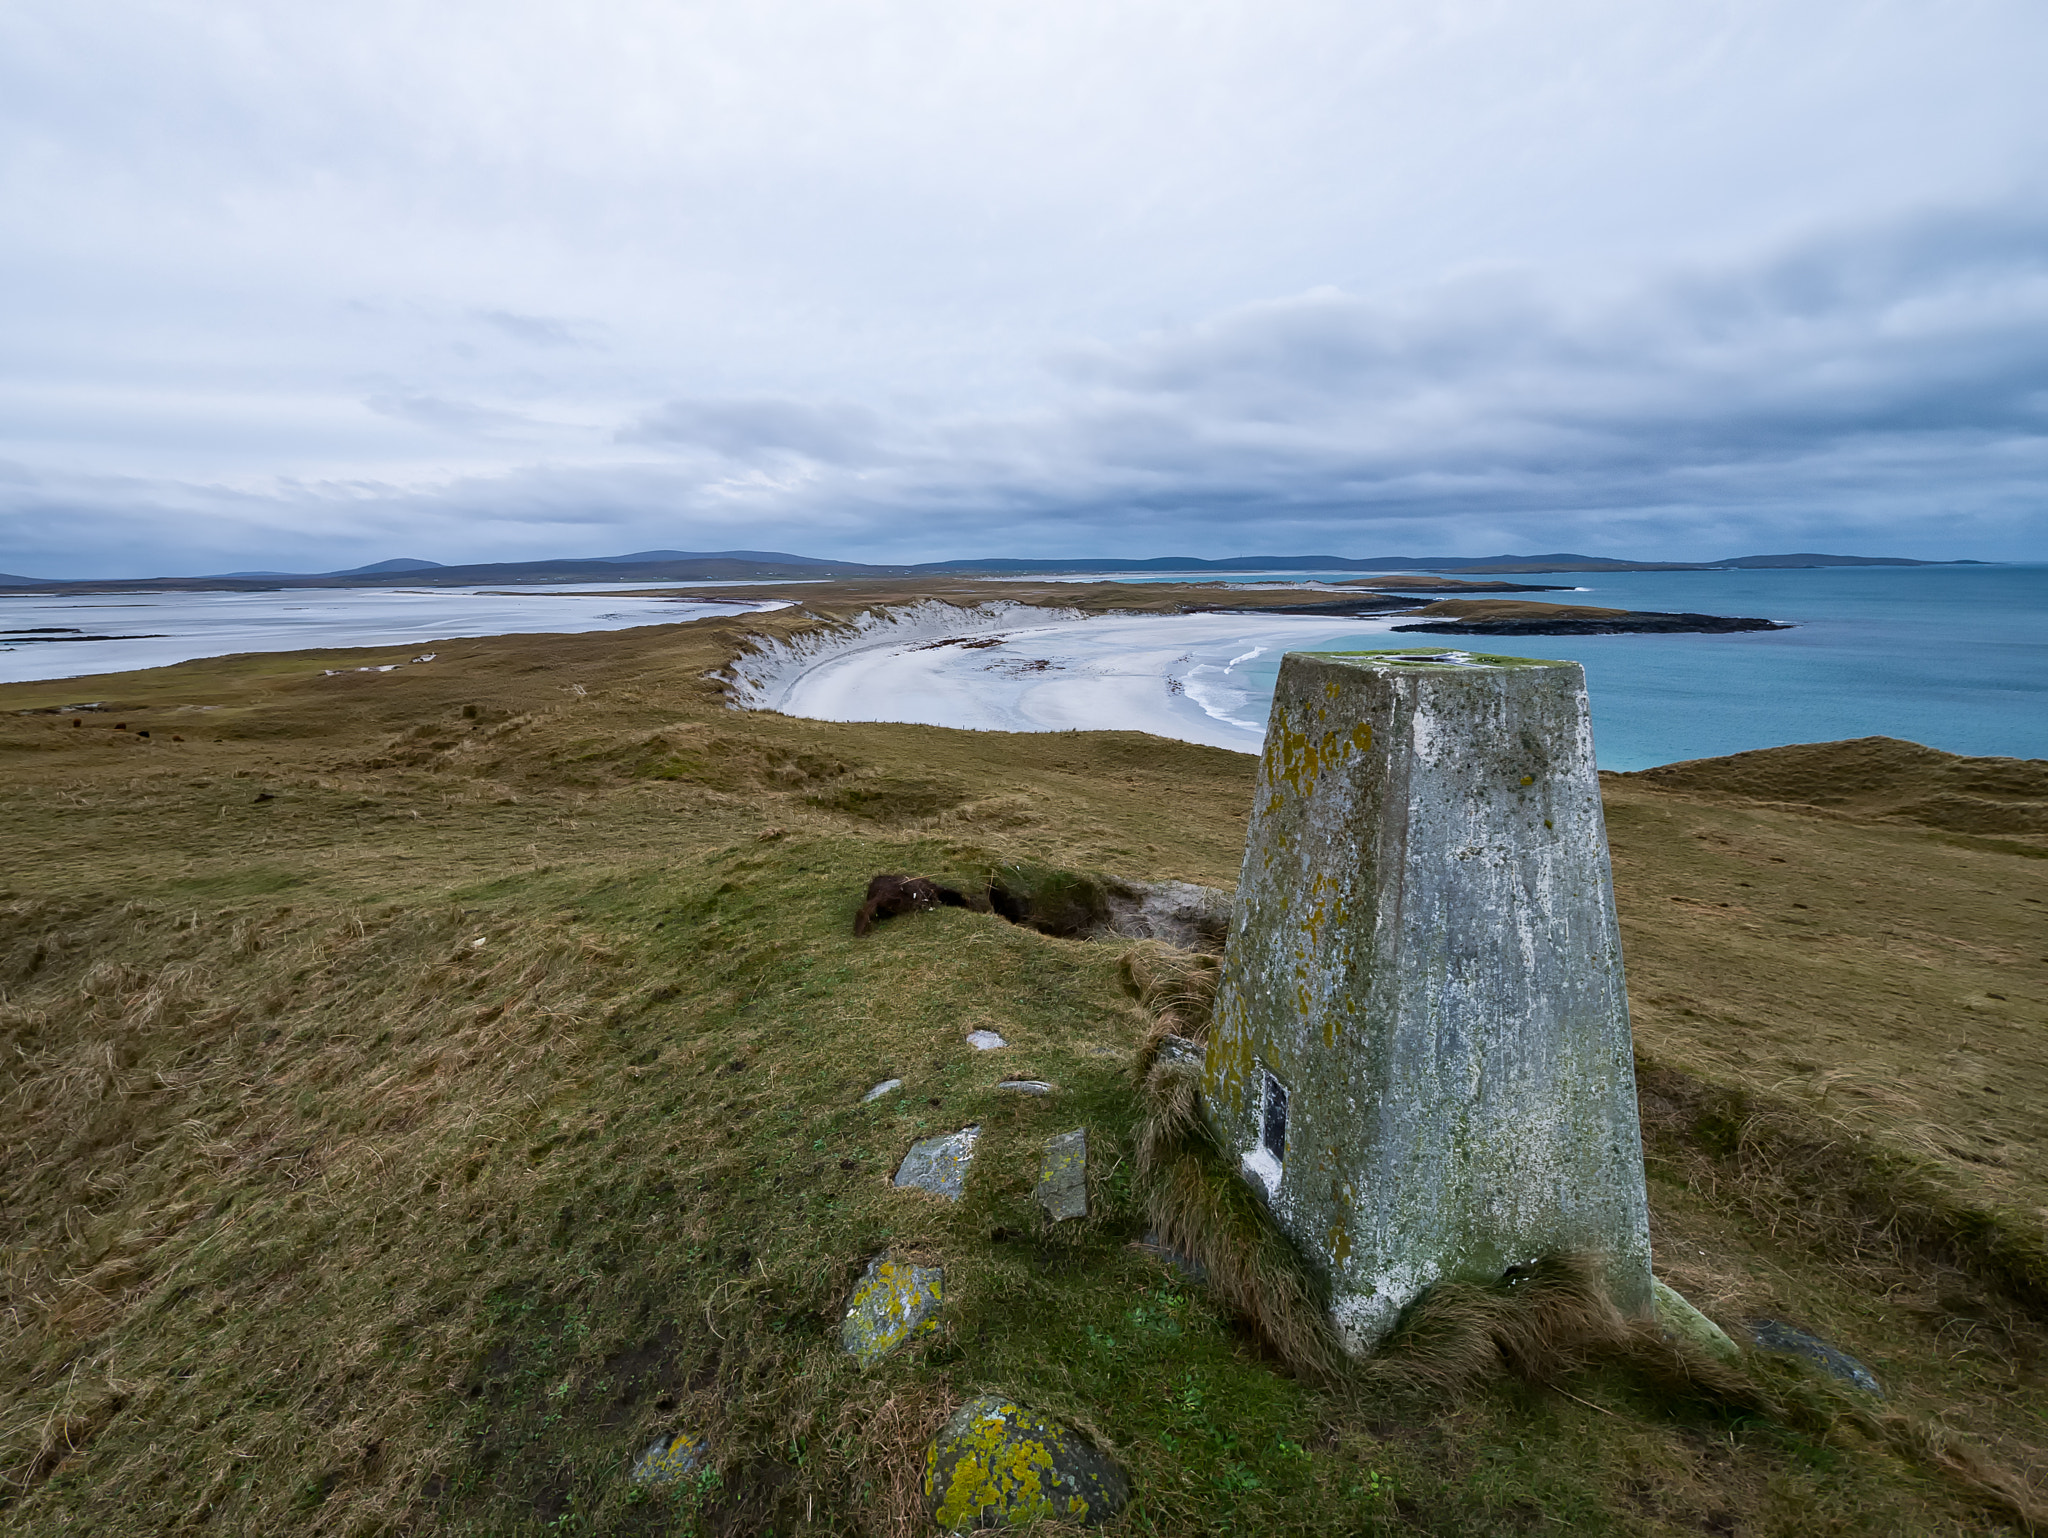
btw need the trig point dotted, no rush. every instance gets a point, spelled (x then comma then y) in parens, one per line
(1421, 1053)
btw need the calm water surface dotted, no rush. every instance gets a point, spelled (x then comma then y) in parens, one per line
(1952, 656)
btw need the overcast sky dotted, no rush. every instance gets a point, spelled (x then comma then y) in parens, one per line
(299, 286)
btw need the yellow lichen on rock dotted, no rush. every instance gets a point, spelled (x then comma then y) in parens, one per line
(894, 1301)
(669, 1461)
(997, 1462)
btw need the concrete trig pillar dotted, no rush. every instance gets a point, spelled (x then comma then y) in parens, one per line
(1421, 1053)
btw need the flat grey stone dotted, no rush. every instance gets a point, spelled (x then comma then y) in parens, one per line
(939, 1164)
(1195, 918)
(669, 1461)
(1063, 1176)
(894, 1301)
(1026, 1086)
(1179, 1050)
(881, 1089)
(985, 1041)
(1679, 1320)
(1789, 1340)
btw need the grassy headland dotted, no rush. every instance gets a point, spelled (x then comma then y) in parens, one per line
(424, 1088)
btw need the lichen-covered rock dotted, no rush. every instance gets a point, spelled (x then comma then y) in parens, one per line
(1063, 1176)
(939, 1164)
(996, 1463)
(669, 1461)
(1679, 1320)
(894, 1301)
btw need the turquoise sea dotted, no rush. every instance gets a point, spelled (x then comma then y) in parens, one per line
(1952, 656)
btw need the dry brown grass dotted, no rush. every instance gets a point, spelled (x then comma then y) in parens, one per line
(312, 1209)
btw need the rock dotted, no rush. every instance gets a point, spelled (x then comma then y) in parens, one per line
(1063, 1176)
(669, 1461)
(1081, 905)
(894, 1301)
(1195, 918)
(1026, 1086)
(1189, 1268)
(985, 1041)
(939, 1164)
(996, 1463)
(1679, 1320)
(1179, 1050)
(1420, 1056)
(881, 1089)
(1782, 1339)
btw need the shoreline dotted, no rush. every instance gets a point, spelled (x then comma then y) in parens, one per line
(226, 624)
(1004, 667)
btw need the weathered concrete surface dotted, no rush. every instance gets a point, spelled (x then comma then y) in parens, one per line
(894, 1301)
(995, 1463)
(1421, 1047)
(669, 1461)
(939, 1164)
(1063, 1176)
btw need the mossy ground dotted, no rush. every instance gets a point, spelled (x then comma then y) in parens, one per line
(321, 1217)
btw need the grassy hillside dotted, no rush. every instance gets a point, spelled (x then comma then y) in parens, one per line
(425, 1088)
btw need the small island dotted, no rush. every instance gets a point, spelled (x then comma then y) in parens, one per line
(1511, 617)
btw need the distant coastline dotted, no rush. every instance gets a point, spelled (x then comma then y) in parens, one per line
(743, 565)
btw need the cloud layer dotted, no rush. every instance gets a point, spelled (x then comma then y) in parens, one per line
(910, 282)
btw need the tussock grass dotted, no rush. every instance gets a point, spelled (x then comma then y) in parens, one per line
(1833, 1185)
(1554, 1321)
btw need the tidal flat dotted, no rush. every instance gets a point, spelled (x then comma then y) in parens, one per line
(427, 1088)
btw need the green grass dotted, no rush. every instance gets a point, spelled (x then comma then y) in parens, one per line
(321, 1218)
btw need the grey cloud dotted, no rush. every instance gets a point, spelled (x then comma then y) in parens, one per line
(748, 429)
(538, 330)
(447, 415)
(1879, 389)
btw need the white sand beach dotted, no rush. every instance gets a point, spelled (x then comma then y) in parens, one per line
(1196, 677)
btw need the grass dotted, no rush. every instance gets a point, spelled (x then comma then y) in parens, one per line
(321, 1217)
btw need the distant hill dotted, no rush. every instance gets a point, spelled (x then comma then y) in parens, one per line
(1558, 561)
(769, 565)
(1166, 563)
(772, 557)
(402, 563)
(1775, 562)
